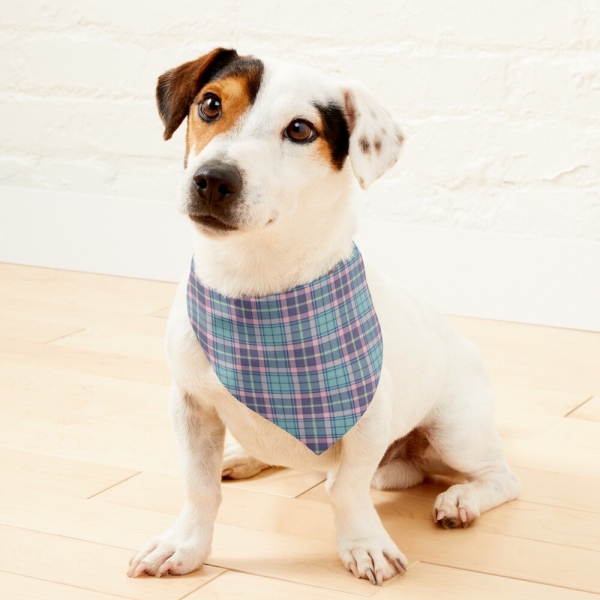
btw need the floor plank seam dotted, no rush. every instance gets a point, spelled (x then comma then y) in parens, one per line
(554, 585)
(593, 478)
(70, 537)
(312, 487)
(76, 587)
(307, 584)
(205, 584)
(578, 406)
(113, 485)
(62, 337)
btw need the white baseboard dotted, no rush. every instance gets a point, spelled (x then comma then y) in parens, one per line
(531, 280)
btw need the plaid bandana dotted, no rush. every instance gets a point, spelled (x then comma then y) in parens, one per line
(308, 360)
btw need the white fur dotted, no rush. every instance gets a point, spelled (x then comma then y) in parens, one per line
(295, 224)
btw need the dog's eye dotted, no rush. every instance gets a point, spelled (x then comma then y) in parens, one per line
(210, 108)
(299, 130)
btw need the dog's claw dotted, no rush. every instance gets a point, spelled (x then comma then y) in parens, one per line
(439, 515)
(354, 569)
(371, 576)
(399, 566)
(379, 577)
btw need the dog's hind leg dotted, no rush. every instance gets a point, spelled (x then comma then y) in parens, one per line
(400, 466)
(398, 474)
(238, 464)
(468, 442)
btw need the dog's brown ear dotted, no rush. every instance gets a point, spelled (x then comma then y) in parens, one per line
(177, 88)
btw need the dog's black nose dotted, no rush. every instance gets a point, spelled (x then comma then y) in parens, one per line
(218, 183)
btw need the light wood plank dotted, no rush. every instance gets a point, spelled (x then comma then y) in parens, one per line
(77, 316)
(78, 397)
(111, 340)
(18, 587)
(564, 526)
(49, 473)
(426, 581)
(590, 411)
(524, 411)
(33, 331)
(282, 482)
(95, 418)
(555, 489)
(250, 587)
(573, 432)
(87, 565)
(80, 361)
(72, 288)
(122, 443)
(539, 357)
(551, 456)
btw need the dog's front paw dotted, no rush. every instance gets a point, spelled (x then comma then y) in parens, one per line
(172, 553)
(372, 559)
(238, 464)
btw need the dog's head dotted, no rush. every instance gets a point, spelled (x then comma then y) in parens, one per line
(265, 138)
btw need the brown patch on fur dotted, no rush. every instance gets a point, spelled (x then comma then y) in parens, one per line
(333, 141)
(177, 88)
(365, 145)
(235, 101)
(411, 447)
(377, 145)
(350, 110)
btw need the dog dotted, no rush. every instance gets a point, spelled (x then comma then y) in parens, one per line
(271, 150)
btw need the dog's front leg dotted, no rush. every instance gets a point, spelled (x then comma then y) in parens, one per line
(184, 547)
(365, 546)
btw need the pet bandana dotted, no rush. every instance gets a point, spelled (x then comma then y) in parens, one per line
(308, 360)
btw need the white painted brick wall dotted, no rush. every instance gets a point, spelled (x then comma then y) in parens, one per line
(500, 99)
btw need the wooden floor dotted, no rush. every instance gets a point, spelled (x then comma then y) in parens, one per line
(89, 470)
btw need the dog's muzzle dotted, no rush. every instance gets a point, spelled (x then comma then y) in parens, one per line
(216, 187)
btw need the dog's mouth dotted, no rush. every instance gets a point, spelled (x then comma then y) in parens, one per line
(211, 222)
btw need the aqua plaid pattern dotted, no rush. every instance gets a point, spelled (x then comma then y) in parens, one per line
(308, 360)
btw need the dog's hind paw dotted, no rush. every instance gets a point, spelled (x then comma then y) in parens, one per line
(238, 464)
(456, 507)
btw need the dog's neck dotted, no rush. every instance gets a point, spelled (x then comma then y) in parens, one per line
(279, 257)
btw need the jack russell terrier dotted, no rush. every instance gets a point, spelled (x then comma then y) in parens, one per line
(280, 334)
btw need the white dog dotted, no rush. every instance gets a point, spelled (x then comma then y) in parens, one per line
(266, 187)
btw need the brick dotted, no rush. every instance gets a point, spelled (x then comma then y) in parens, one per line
(567, 86)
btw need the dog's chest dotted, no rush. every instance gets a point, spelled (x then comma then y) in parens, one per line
(194, 374)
